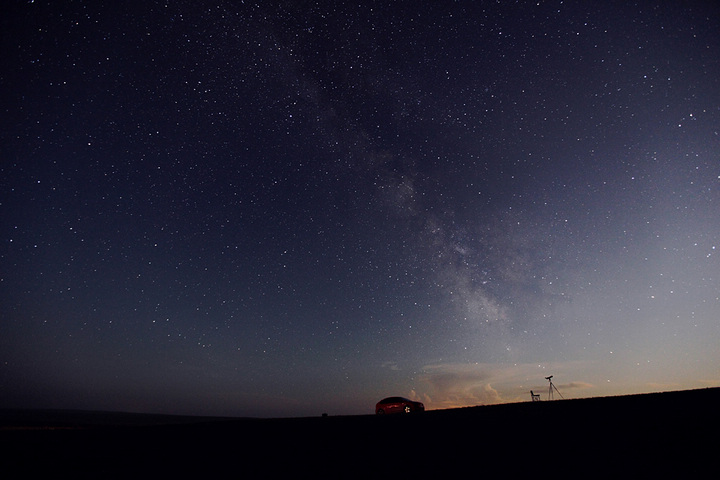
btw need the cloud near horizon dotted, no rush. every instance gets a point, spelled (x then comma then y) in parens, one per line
(463, 385)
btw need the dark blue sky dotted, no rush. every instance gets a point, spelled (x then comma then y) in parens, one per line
(289, 208)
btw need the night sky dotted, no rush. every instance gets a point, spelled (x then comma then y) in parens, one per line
(294, 208)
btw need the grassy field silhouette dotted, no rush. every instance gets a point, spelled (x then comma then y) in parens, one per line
(670, 432)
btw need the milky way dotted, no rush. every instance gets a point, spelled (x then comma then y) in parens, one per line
(290, 208)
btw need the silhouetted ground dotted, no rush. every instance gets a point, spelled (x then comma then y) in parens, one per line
(663, 433)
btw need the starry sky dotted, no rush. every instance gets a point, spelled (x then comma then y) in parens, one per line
(293, 208)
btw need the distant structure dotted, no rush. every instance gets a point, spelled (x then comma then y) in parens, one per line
(535, 396)
(550, 389)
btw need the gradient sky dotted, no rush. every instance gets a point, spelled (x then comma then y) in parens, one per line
(289, 208)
